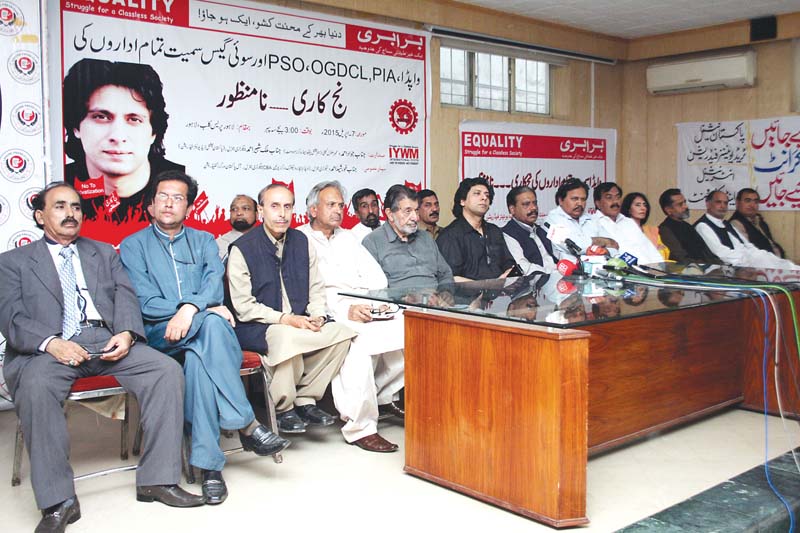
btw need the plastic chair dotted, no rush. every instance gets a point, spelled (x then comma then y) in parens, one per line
(85, 389)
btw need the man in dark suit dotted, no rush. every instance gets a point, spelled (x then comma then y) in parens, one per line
(527, 242)
(67, 310)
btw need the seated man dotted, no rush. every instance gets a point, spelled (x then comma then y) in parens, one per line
(408, 257)
(429, 212)
(474, 248)
(568, 221)
(243, 218)
(751, 225)
(365, 204)
(278, 296)
(614, 225)
(177, 275)
(726, 243)
(527, 242)
(684, 243)
(372, 374)
(67, 310)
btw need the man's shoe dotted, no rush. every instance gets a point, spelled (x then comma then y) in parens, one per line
(56, 518)
(289, 422)
(214, 489)
(172, 495)
(391, 409)
(375, 443)
(263, 442)
(314, 416)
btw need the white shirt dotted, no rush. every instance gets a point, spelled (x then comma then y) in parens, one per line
(360, 231)
(629, 236)
(579, 231)
(224, 241)
(519, 256)
(744, 254)
(345, 265)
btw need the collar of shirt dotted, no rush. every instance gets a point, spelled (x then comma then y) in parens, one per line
(465, 227)
(55, 249)
(524, 226)
(598, 215)
(166, 237)
(716, 221)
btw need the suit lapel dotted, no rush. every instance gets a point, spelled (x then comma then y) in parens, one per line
(90, 267)
(44, 268)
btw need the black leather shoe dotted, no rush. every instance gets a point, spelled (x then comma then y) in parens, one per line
(391, 409)
(214, 489)
(314, 416)
(172, 495)
(289, 422)
(263, 442)
(56, 518)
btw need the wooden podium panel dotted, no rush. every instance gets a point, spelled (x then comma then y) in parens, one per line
(498, 411)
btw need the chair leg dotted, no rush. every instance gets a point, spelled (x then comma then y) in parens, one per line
(137, 440)
(18, 445)
(273, 421)
(186, 451)
(123, 447)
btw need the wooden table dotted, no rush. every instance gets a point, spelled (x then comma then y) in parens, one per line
(508, 412)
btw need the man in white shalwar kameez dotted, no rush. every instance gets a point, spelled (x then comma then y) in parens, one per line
(372, 373)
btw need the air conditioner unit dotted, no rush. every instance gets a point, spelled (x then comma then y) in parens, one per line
(703, 74)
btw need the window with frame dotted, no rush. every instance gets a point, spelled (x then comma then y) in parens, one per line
(492, 81)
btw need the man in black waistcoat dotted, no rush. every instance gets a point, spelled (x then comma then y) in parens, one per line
(749, 222)
(527, 242)
(684, 243)
(278, 297)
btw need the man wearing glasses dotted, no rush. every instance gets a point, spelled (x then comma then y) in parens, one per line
(177, 274)
(68, 311)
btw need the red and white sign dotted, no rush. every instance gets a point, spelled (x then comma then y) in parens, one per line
(257, 94)
(540, 157)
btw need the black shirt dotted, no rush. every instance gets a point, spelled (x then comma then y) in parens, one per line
(472, 255)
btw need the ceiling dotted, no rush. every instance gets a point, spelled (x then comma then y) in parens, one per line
(631, 19)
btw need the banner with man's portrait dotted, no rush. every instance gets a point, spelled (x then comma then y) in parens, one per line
(238, 96)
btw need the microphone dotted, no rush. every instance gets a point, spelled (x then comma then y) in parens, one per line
(573, 248)
(566, 267)
(565, 287)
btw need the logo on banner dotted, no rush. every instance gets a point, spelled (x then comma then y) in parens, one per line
(26, 202)
(16, 165)
(403, 116)
(21, 238)
(23, 66)
(26, 117)
(11, 19)
(5, 210)
(403, 155)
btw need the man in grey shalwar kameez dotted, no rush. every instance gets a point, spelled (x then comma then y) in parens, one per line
(278, 296)
(177, 275)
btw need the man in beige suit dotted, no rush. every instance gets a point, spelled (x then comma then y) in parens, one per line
(278, 298)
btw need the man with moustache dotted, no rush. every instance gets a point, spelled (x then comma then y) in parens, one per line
(727, 244)
(278, 297)
(67, 310)
(177, 274)
(474, 248)
(243, 218)
(526, 241)
(372, 374)
(569, 221)
(750, 224)
(684, 243)
(365, 203)
(408, 257)
(623, 230)
(429, 212)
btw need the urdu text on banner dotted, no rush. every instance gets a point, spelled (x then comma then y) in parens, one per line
(762, 154)
(255, 94)
(538, 156)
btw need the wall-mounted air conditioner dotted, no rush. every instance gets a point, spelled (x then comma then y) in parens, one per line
(703, 74)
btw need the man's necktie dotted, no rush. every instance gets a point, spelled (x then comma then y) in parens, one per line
(70, 325)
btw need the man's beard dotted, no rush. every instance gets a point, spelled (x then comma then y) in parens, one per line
(685, 215)
(242, 225)
(371, 221)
